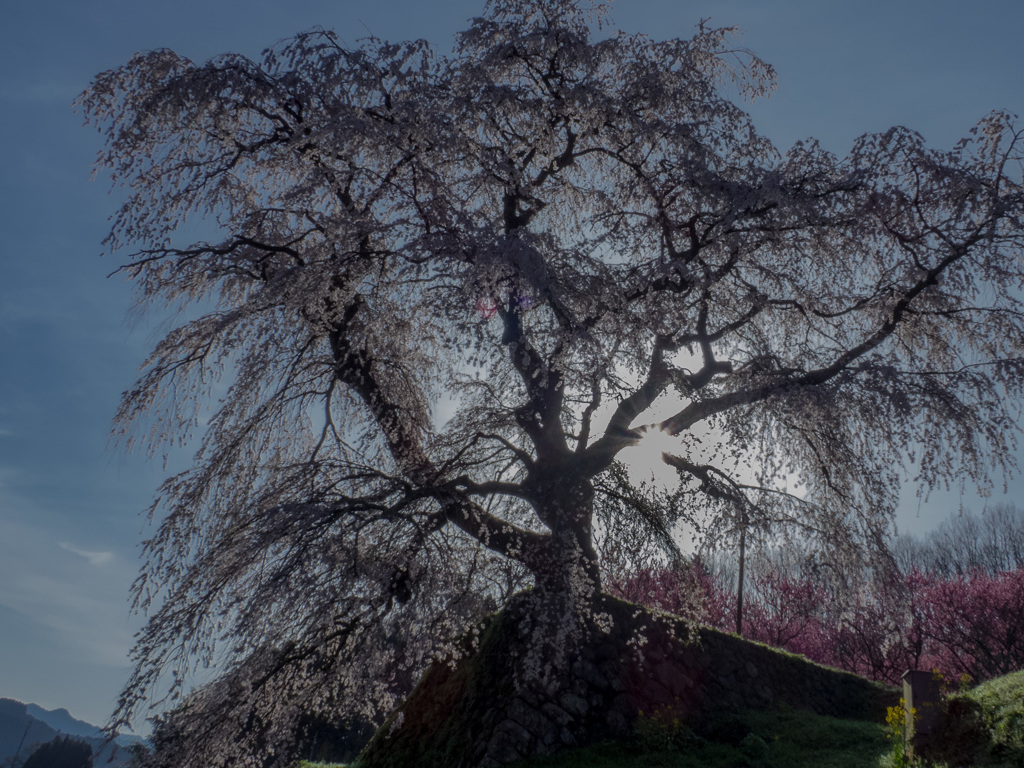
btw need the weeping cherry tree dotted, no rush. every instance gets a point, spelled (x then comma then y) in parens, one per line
(445, 291)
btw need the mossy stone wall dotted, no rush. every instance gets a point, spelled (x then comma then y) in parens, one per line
(475, 713)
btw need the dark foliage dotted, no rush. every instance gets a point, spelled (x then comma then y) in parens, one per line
(62, 752)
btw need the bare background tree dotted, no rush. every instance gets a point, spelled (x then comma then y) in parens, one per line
(551, 229)
(992, 543)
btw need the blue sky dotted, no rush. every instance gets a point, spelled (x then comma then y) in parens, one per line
(70, 504)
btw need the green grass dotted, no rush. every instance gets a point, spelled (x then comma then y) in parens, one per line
(987, 731)
(780, 739)
(1002, 708)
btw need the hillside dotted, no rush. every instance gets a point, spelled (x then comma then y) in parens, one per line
(20, 731)
(23, 727)
(61, 720)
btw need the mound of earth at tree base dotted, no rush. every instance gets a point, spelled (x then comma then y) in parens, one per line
(481, 711)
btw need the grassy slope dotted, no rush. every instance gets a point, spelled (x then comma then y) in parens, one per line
(988, 730)
(1002, 705)
(780, 739)
(992, 734)
(987, 733)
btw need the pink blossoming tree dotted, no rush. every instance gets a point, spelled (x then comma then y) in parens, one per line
(966, 624)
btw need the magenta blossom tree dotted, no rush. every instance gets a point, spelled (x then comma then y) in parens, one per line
(551, 228)
(975, 623)
(964, 625)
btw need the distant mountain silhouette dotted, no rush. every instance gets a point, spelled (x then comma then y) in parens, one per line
(61, 720)
(23, 727)
(20, 733)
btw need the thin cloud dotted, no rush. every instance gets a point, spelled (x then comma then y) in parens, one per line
(41, 92)
(94, 558)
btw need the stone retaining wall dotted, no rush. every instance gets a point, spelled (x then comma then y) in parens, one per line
(473, 714)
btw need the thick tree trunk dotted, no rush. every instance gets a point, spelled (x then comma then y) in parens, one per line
(544, 672)
(561, 610)
(553, 654)
(567, 582)
(566, 505)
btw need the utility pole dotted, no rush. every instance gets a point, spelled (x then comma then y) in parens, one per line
(14, 760)
(739, 589)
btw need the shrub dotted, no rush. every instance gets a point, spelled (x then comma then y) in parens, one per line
(62, 752)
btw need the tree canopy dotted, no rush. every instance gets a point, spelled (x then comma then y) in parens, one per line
(61, 752)
(445, 290)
